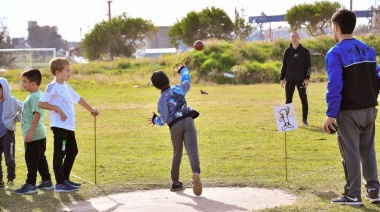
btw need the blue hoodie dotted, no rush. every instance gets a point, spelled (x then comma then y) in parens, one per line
(12, 107)
(172, 104)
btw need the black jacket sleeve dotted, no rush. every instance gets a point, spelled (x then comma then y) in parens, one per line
(284, 65)
(308, 65)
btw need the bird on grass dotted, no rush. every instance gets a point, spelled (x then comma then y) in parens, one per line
(204, 92)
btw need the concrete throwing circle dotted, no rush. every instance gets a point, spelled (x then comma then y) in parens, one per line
(218, 199)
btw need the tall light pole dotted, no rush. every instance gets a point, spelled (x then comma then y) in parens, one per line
(109, 20)
(30, 55)
(109, 9)
(350, 5)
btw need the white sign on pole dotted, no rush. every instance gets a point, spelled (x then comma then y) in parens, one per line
(285, 117)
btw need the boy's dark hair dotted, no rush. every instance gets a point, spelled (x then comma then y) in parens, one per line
(33, 75)
(160, 80)
(345, 19)
(58, 64)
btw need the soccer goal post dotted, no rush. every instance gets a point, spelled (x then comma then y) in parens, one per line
(30, 58)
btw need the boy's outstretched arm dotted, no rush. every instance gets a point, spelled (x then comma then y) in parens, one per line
(155, 120)
(84, 104)
(47, 106)
(185, 78)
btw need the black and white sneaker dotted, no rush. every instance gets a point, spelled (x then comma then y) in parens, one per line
(177, 187)
(373, 195)
(346, 200)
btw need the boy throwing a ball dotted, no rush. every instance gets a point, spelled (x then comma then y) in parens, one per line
(174, 112)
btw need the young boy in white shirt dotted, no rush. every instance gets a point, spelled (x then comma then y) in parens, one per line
(59, 99)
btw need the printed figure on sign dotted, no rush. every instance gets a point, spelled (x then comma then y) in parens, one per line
(284, 118)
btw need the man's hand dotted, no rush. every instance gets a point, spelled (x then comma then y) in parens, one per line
(282, 83)
(305, 83)
(330, 121)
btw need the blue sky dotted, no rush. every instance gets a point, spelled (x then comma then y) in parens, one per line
(74, 18)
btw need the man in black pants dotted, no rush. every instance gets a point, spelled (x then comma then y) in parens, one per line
(296, 69)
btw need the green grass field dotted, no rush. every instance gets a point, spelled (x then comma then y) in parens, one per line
(239, 145)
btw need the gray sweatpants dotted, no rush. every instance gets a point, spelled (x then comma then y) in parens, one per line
(184, 132)
(356, 143)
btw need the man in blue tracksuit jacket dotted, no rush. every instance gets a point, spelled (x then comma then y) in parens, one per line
(352, 91)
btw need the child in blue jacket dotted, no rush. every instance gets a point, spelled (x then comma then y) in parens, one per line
(174, 112)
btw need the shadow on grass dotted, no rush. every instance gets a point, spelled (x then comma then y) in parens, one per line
(70, 203)
(314, 128)
(209, 205)
(45, 201)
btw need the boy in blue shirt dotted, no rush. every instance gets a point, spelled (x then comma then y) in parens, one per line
(174, 112)
(34, 133)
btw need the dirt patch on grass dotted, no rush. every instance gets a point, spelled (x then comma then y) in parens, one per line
(212, 200)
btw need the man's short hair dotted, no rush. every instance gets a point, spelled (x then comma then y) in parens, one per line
(345, 19)
(160, 80)
(58, 64)
(33, 75)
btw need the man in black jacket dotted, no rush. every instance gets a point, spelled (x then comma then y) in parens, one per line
(296, 69)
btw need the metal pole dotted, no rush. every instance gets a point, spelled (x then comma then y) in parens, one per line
(286, 160)
(95, 145)
(351, 5)
(30, 55)
(109, 9)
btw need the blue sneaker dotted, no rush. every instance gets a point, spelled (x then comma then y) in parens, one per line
(26, 189)
(72, 183)
(63, 188)
(45, 185)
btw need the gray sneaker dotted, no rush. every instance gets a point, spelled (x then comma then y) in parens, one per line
(197, 185)
(45, 185)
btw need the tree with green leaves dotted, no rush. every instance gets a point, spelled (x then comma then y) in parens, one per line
(45, 37)
(208, 24)
(121, 36)
(314, 17)
(242, 29)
